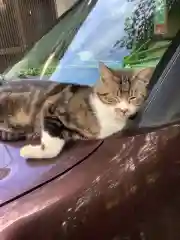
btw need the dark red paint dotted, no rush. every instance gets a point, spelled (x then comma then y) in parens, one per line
(127, 188)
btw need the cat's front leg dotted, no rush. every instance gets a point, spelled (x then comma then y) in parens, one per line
(50, 147)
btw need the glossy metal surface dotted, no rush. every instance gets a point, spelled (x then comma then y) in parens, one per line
(127, 189)
(18, 175)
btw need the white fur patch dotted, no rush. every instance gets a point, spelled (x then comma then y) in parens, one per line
(52, 147)
(124, 105)
(107, 117)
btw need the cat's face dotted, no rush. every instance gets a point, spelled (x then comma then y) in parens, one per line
(125, 90)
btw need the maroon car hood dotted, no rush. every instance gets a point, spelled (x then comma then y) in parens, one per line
(18, 175)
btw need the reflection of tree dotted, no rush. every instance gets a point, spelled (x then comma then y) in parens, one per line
(139, 26)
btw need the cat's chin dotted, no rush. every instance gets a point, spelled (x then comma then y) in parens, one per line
(126, 116)
(132, 117)
(121, 117)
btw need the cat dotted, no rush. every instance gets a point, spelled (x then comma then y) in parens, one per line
(60, 112)
(9, 131)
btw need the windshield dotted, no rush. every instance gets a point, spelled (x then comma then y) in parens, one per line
(126, 34)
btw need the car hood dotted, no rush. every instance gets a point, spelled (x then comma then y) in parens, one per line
(19, 176)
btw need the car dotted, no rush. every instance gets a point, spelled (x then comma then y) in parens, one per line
(123, 187)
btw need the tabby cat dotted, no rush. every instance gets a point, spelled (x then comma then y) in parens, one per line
(61, 112)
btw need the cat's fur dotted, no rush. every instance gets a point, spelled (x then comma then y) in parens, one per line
(61, 112)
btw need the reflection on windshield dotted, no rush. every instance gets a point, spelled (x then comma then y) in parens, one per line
(133, 33)
(51, 47)
(96, 41)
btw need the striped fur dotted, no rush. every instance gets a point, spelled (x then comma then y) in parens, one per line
(61, 112)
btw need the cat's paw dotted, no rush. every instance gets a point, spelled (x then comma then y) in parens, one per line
(30, 151)
(37, 152)
(26, 151)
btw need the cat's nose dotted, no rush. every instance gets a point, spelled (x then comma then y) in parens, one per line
(121, 111)
(124, 110)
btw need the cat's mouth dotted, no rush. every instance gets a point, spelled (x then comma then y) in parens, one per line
(121, 112)
(133, 116)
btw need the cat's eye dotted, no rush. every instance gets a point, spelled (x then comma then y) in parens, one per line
(111, 99)
(139, 101)
(132, 98)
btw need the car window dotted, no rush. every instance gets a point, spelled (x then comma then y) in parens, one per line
(130, 34)
(47, 51)
(24, 22)
(163, 104)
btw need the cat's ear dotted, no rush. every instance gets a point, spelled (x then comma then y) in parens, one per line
(106, 81)
(106, 75)
(144, 74)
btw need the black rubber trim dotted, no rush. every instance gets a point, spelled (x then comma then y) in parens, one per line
(167, 73)
(162, 65)
(161, 72)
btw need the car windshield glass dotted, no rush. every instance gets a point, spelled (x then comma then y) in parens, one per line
(41, 59)
(122, 34)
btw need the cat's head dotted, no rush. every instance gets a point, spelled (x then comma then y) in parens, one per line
(123, 90)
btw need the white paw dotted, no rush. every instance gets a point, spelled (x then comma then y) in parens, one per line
(30, 151)
(51, 148)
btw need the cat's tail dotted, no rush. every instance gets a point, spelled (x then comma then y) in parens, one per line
(11, 137)
(14, 137)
